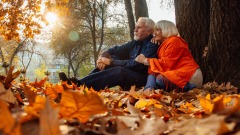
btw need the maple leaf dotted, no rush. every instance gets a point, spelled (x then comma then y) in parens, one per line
(8, 124)
(7, 95)
(9, 78)
(35, 107)
(49, 123)
(53, 91)
(188, 108)
(214, 124)
(147, 102)
(221, 104)
(154, 126)
(39, 85)
(80, 106)
(30, 94)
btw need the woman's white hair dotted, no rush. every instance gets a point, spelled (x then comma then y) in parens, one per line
(168, 28)
(148, 22)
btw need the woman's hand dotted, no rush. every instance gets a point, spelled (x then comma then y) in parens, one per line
(155, 41)
(142, 59)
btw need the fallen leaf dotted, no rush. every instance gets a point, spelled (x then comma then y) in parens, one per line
(80, 106)
(8, 124)
(49, 123)
(7, 95)
(212, 125)
(30, 94)
(154, 126)
(147, 102)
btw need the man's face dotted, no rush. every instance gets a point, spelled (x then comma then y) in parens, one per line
(141, 31)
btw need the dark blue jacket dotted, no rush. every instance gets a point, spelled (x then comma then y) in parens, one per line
(124, 55)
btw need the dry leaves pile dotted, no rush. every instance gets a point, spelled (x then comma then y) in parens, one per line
(44, 108)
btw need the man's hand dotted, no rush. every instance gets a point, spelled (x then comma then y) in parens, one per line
(142, 59)
(102, 62)
(106, 61)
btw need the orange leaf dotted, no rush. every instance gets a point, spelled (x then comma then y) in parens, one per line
(39, 85)
(30, 94)
(211, 106)
(8, 124)
(80, 106)
(49, 123)
(53, 91)
(10, 77)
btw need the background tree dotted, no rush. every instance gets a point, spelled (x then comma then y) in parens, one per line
(220, 36)
(24, 17)
(131, 22)
(140, 10)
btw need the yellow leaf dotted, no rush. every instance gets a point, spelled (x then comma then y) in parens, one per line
(146, 102)
(80, 106)
(208, 97)
(206, 104)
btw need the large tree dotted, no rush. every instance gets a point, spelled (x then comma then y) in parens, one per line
(214, 26)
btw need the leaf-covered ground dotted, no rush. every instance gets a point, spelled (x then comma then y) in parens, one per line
(44, 108)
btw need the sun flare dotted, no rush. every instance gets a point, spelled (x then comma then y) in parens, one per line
(51, 17)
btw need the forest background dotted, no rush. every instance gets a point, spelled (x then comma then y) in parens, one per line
(87, 27)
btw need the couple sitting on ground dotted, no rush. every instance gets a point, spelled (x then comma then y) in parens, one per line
(157, 58)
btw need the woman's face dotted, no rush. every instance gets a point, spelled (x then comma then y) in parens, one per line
(158, 35)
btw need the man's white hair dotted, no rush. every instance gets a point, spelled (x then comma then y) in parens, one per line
(148, 22)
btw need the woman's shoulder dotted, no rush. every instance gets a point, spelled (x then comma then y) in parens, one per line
(175, 40)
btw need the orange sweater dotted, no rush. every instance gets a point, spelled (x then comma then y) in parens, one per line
(174, 61)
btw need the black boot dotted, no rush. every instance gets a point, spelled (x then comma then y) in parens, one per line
(63, 77)
(74, 80)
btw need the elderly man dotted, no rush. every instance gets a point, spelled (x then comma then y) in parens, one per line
(117, 65)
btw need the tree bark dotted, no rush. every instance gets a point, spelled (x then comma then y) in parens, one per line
(212, 24)
(223, 59)
(141, 9)
(193, 25)
(131, 22)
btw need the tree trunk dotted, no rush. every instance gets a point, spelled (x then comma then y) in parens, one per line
(223, 59)
(131, 22)
(193, 25)
(141, 9)
(212, 24)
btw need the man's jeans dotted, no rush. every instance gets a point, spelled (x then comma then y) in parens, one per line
(110, 77)
(159, 82)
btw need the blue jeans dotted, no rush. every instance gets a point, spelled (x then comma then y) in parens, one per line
(159, 82)
(114, 76)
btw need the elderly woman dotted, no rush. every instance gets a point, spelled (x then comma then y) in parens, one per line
(175, 67)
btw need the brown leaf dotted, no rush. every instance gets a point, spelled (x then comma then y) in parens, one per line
(30, 94)
(214, 124)
(10, 77)
(80, 106)
(49, 123)
(146, 126)
(7, 95)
